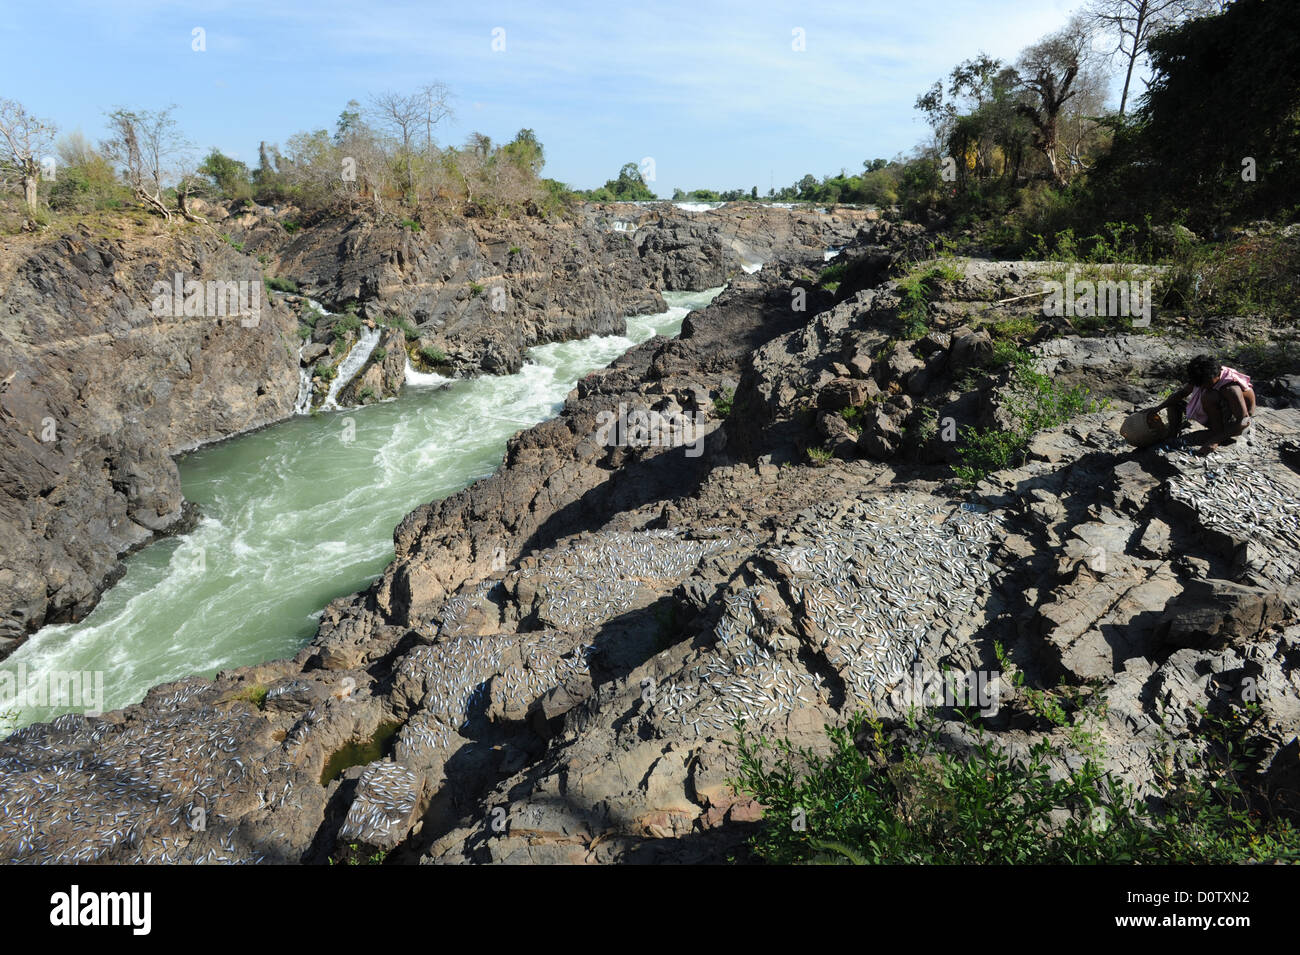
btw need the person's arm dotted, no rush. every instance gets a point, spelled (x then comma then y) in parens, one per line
(1178, 397)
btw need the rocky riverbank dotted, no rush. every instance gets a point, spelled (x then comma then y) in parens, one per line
(99, 390)
(551, 668)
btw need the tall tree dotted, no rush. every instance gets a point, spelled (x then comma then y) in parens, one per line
(23, 139)
(1132, 24)
(1049, 71)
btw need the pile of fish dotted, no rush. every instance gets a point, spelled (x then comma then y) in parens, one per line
(1256, 506)
(864, 599)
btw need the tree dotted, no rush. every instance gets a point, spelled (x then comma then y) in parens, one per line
(435, 100)
(1048, 72)
(525, 152)
(401, 114)
(230, 176)
(1133, 23)
(1216, 137)
(148, 147)
(629, 186)
(23, 140)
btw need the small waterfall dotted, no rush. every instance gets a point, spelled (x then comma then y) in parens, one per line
(352, 364)
(303, 404)
(830, 253)
(423, 379)
(751, 267)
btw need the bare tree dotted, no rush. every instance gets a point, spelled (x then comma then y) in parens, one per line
(146, 144)
(1048, 71)
(401, 115)
(436, 98)
(23, 138)
(1134, 22)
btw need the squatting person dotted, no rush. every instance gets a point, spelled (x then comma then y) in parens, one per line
(1219, 397)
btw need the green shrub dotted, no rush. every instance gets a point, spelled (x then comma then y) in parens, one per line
(1034, 401)
(819, 456)
(917, 289)
(475, 290)
(515, 250)
(281, 285)
(291, 227)
(347, 322)
(378, 355)
(723, 403)
(410, 224)
(304, 332)
(879, 800)
(366, 394)
(432, 355)
(326, 372)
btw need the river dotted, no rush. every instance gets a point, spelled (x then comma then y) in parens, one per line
(297, 514)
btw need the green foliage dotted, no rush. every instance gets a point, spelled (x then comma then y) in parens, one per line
(475, 290)
(366, 394)
(909, 800)
(281, 285)
(229, 176)
(1011, 329)
(378, 354)
(345, 323)
(353, 857)
(1034, 402)
(629, 186)
(1251, 275)
(237, 246)
(723, 403)
(304, 332)
(819, 456)
(325, 371)
(87, 186)
(408, 328)
(291, 227)
(409, 224)
(432, 355)
(1222, 89)
(831, 276)
(515, 250)
(919, 287)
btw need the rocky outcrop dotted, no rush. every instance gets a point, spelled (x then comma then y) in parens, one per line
(98, 389)
(552, 668)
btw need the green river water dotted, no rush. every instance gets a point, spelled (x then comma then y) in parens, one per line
(297, 514)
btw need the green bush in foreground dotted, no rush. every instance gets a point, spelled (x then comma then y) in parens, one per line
(875, 800)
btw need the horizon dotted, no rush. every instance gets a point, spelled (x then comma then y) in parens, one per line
(733, 106)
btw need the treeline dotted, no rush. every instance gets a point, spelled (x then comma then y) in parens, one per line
(1029, 152)
(383, 156)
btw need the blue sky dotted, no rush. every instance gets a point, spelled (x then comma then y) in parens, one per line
(713, 92)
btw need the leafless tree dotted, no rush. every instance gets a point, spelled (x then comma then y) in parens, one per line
(23, 140)
(146, 144)
(436, 98)
(1132, 23)
(401, 114)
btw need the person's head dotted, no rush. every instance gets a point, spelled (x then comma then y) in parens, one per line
(1202, 371)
